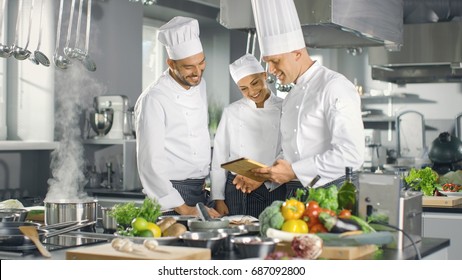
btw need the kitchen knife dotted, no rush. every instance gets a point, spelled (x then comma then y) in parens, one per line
(203, 213)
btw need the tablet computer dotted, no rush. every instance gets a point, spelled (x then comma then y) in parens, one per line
(242, 166)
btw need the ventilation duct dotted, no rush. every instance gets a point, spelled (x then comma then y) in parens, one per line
(432, 45)
(332, 23)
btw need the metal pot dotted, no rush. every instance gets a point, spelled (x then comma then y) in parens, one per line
(109, 223)
(19, 215)
(66, 211)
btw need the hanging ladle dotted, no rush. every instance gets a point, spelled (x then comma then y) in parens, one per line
(40, 57)
(67, 51)
(59, 60)
(86, 60)
(75, 52)
(18, 52)
(5, 51)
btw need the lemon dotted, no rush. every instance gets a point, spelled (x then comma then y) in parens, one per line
(139, 224)
(155, 229)
(145, 233)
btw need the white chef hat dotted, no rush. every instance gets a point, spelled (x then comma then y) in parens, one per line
(278, 26)
(244, 66)
(180, 36)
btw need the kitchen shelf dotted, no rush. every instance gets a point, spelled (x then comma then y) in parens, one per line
(107, 141)
(16, 145)
(394, 98)
(378, 119)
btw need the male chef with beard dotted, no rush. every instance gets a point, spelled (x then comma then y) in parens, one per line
(173, 141)
(321, 126)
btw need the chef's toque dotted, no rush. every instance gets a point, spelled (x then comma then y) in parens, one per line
(180, 36)
(278, 26)
(244, 66)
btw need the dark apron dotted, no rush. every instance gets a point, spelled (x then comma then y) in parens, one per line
(251, 204)
(292, 186)
(192, 191)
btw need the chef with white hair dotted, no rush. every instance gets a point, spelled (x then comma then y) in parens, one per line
(248, 128)
(321, 126)
(173, 141)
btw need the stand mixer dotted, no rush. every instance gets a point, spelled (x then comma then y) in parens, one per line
(120, 127)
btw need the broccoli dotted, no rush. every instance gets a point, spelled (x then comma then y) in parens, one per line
(271, 217)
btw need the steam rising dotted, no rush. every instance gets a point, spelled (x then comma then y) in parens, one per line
(75, 90)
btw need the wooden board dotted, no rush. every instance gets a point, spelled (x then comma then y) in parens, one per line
(335, 252)
(347, 252)
(106, 252)
(242, 166)
(441, 201)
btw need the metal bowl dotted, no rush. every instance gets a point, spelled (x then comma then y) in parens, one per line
(210, 240)
(197, 225)
(252, 229)
(254, 246)
(19, 215)
(231, 232)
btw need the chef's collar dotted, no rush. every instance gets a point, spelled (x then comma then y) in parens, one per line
(177, 87)
(268, 102)
(306, 77)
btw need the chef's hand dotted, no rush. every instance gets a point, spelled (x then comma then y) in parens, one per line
(246, 185)
(221, 207)
(191, 210)
(281, 172)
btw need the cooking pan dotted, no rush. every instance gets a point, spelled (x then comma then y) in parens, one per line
(13, 237)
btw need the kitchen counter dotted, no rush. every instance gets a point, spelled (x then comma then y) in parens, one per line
(433, 248)
(457, 209)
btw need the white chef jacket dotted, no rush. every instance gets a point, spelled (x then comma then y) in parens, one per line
(245, 131)
(321, 126)
(173, 141)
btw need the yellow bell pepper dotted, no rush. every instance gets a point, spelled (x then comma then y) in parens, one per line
(295, 226)
(292, 209)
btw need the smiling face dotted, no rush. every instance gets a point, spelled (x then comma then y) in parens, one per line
(188, 71)
(283, 66)
(254, 88)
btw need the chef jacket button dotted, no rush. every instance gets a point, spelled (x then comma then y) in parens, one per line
(296, 153)
(295, 130)
(297, 107)
(303, 88)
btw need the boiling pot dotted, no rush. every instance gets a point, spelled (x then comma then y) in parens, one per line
(67, 210)
(445, 153)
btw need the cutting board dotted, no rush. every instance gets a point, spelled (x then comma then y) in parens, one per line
(335, 252)
(441, 201)
(106, 252)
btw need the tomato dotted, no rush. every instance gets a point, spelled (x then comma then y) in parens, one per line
(317, 228)
(292, 209)
(328, 211)
(295, 226)
(345, 214)
(313, 204)
(311, 216)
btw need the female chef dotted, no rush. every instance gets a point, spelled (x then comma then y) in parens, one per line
(248, 128)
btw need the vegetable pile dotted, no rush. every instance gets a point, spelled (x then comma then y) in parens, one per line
(430, 183)
(133, 220)
(424, 180)
(318, 214)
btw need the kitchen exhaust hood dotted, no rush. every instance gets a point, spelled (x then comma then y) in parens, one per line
(332, 23)
(431, 52)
